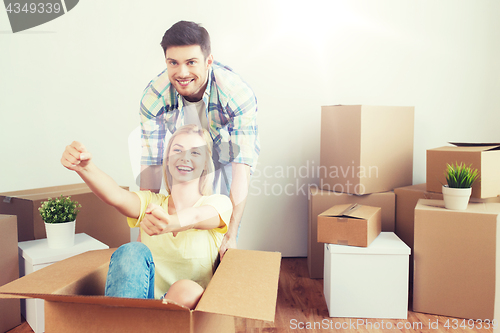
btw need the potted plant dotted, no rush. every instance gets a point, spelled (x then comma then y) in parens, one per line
(459, 189)
(59, 215)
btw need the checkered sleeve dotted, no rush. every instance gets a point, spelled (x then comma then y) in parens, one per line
(242, 128)
(153, 123)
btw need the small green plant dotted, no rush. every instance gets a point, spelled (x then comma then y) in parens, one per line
(59, 210)
(460, 176)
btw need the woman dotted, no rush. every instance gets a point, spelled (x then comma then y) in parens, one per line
(180, 233)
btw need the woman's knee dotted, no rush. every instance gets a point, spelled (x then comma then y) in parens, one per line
(131, 272)
(131, 253)
(185, 292)
(132, 248)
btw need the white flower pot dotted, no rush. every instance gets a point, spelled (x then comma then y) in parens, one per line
(60, 235)
(456, 198)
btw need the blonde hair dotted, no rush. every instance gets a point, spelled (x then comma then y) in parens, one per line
(207, 176)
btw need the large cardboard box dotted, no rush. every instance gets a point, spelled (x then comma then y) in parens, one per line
(406, 200)
(320, 200)
(10, 310)
(367, 282)
(244, 285)
(351, 224)
(485, 157)
(35, 255)
(457, 260)
(366, 149)
(96, 218)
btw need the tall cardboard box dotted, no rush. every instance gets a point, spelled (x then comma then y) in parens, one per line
(485, 157)
(457, 260)
(350, 224)
(244, 285)
(321, 200)
(96, 218)
(366, 149)
(10, 309)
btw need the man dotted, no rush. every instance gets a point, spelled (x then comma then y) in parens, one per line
(196, 89)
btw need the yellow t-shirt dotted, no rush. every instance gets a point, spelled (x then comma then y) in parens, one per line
(189, 255)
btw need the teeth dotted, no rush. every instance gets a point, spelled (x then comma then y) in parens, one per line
(184, 168)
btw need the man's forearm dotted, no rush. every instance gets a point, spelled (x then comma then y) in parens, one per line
(238, 195)
(234, 223)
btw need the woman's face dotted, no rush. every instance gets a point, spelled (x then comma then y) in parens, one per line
(187, 157)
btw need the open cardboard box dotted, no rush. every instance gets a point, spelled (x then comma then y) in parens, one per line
(244, 285)
(485, 157)
(350, 224)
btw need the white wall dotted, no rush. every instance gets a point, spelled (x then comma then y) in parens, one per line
(80, 77)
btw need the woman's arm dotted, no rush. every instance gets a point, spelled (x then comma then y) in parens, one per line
(78, 159)
(157, 221)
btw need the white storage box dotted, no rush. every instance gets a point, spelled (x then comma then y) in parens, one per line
(368, 282)
(35, 255)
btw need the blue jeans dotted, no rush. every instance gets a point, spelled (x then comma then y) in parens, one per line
(131, 272)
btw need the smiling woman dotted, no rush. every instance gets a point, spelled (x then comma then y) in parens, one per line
(189, 158)
(181, 233)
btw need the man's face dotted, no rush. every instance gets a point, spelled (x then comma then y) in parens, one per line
(188, 70)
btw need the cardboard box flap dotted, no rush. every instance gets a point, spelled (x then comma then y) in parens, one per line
(355, 210)
(253, 290)
(473, 147)
(476, 144)
(78, 279)
(63, 277)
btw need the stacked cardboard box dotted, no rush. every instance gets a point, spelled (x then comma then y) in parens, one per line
(321, 200)
(96, 218)
(366, 152)
(457, 260)
(406, 200)
(351, 224)
(366, 149)
(455, 257)
(10, 309)
(482, 156)
(369, 150)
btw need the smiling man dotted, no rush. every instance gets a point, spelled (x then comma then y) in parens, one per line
(196, 89)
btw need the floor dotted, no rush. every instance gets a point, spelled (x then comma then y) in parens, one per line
(301, 307)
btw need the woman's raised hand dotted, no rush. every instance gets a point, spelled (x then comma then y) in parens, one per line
(75, 157)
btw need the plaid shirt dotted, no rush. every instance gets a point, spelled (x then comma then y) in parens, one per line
(231, 114)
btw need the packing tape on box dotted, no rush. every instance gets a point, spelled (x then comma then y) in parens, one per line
(342, 219)
(343, 242)
(7, 199)
(350, 208)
